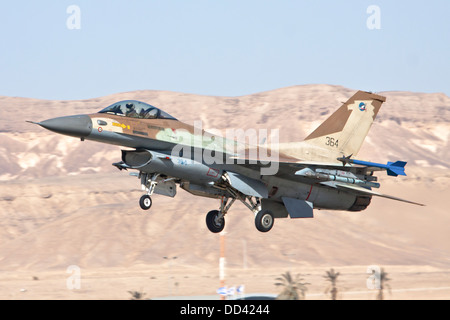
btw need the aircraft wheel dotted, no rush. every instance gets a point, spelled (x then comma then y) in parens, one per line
(264, 220)
(214, 224)
(145, 202)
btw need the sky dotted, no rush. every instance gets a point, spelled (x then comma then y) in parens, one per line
(48, 50)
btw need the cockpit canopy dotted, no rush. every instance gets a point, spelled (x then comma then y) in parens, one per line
(136, 109)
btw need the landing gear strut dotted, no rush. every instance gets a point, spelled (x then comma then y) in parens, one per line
(264, 219)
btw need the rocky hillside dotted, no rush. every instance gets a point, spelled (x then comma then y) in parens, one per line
(63, 203)
(410, 126)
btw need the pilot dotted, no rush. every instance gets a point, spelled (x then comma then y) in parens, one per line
(131, 111)
(151, 113)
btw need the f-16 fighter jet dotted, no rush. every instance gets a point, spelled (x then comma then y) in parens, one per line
(288, 180)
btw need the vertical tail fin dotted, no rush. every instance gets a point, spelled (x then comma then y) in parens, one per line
(343, 133)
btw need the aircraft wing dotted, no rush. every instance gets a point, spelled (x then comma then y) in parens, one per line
(345, 176)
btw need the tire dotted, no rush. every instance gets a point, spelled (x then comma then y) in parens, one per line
(264, 220)
(211, 222)
(145, 202)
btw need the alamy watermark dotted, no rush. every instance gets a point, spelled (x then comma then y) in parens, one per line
(73, 282)
(73, 22)
(238, 146)
(373, 22)
(374, 280)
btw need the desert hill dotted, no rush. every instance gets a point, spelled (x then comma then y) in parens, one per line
(410, 125)
(64, 204)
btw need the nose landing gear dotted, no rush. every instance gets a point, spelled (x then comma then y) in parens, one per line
(145, 202)
(148, 184)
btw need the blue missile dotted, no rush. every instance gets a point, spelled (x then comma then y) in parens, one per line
(392, 168)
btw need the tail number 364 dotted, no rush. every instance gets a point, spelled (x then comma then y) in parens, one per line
(331, 142)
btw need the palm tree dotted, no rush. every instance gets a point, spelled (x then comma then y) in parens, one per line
(332, 277)
(137, 295)
(383, 279)
(294, 288)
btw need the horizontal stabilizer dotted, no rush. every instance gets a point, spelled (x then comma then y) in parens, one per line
(364, 191)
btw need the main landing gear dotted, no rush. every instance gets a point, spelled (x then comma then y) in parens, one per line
(264, 220)
(215, 219)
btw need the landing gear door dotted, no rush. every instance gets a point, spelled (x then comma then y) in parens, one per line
(168, 188)
(248, 186)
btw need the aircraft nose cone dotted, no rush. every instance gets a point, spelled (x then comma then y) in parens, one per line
(79, 126)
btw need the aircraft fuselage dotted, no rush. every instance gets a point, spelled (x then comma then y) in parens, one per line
(315, 173)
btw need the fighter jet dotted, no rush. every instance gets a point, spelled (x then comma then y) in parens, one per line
(320, 172)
